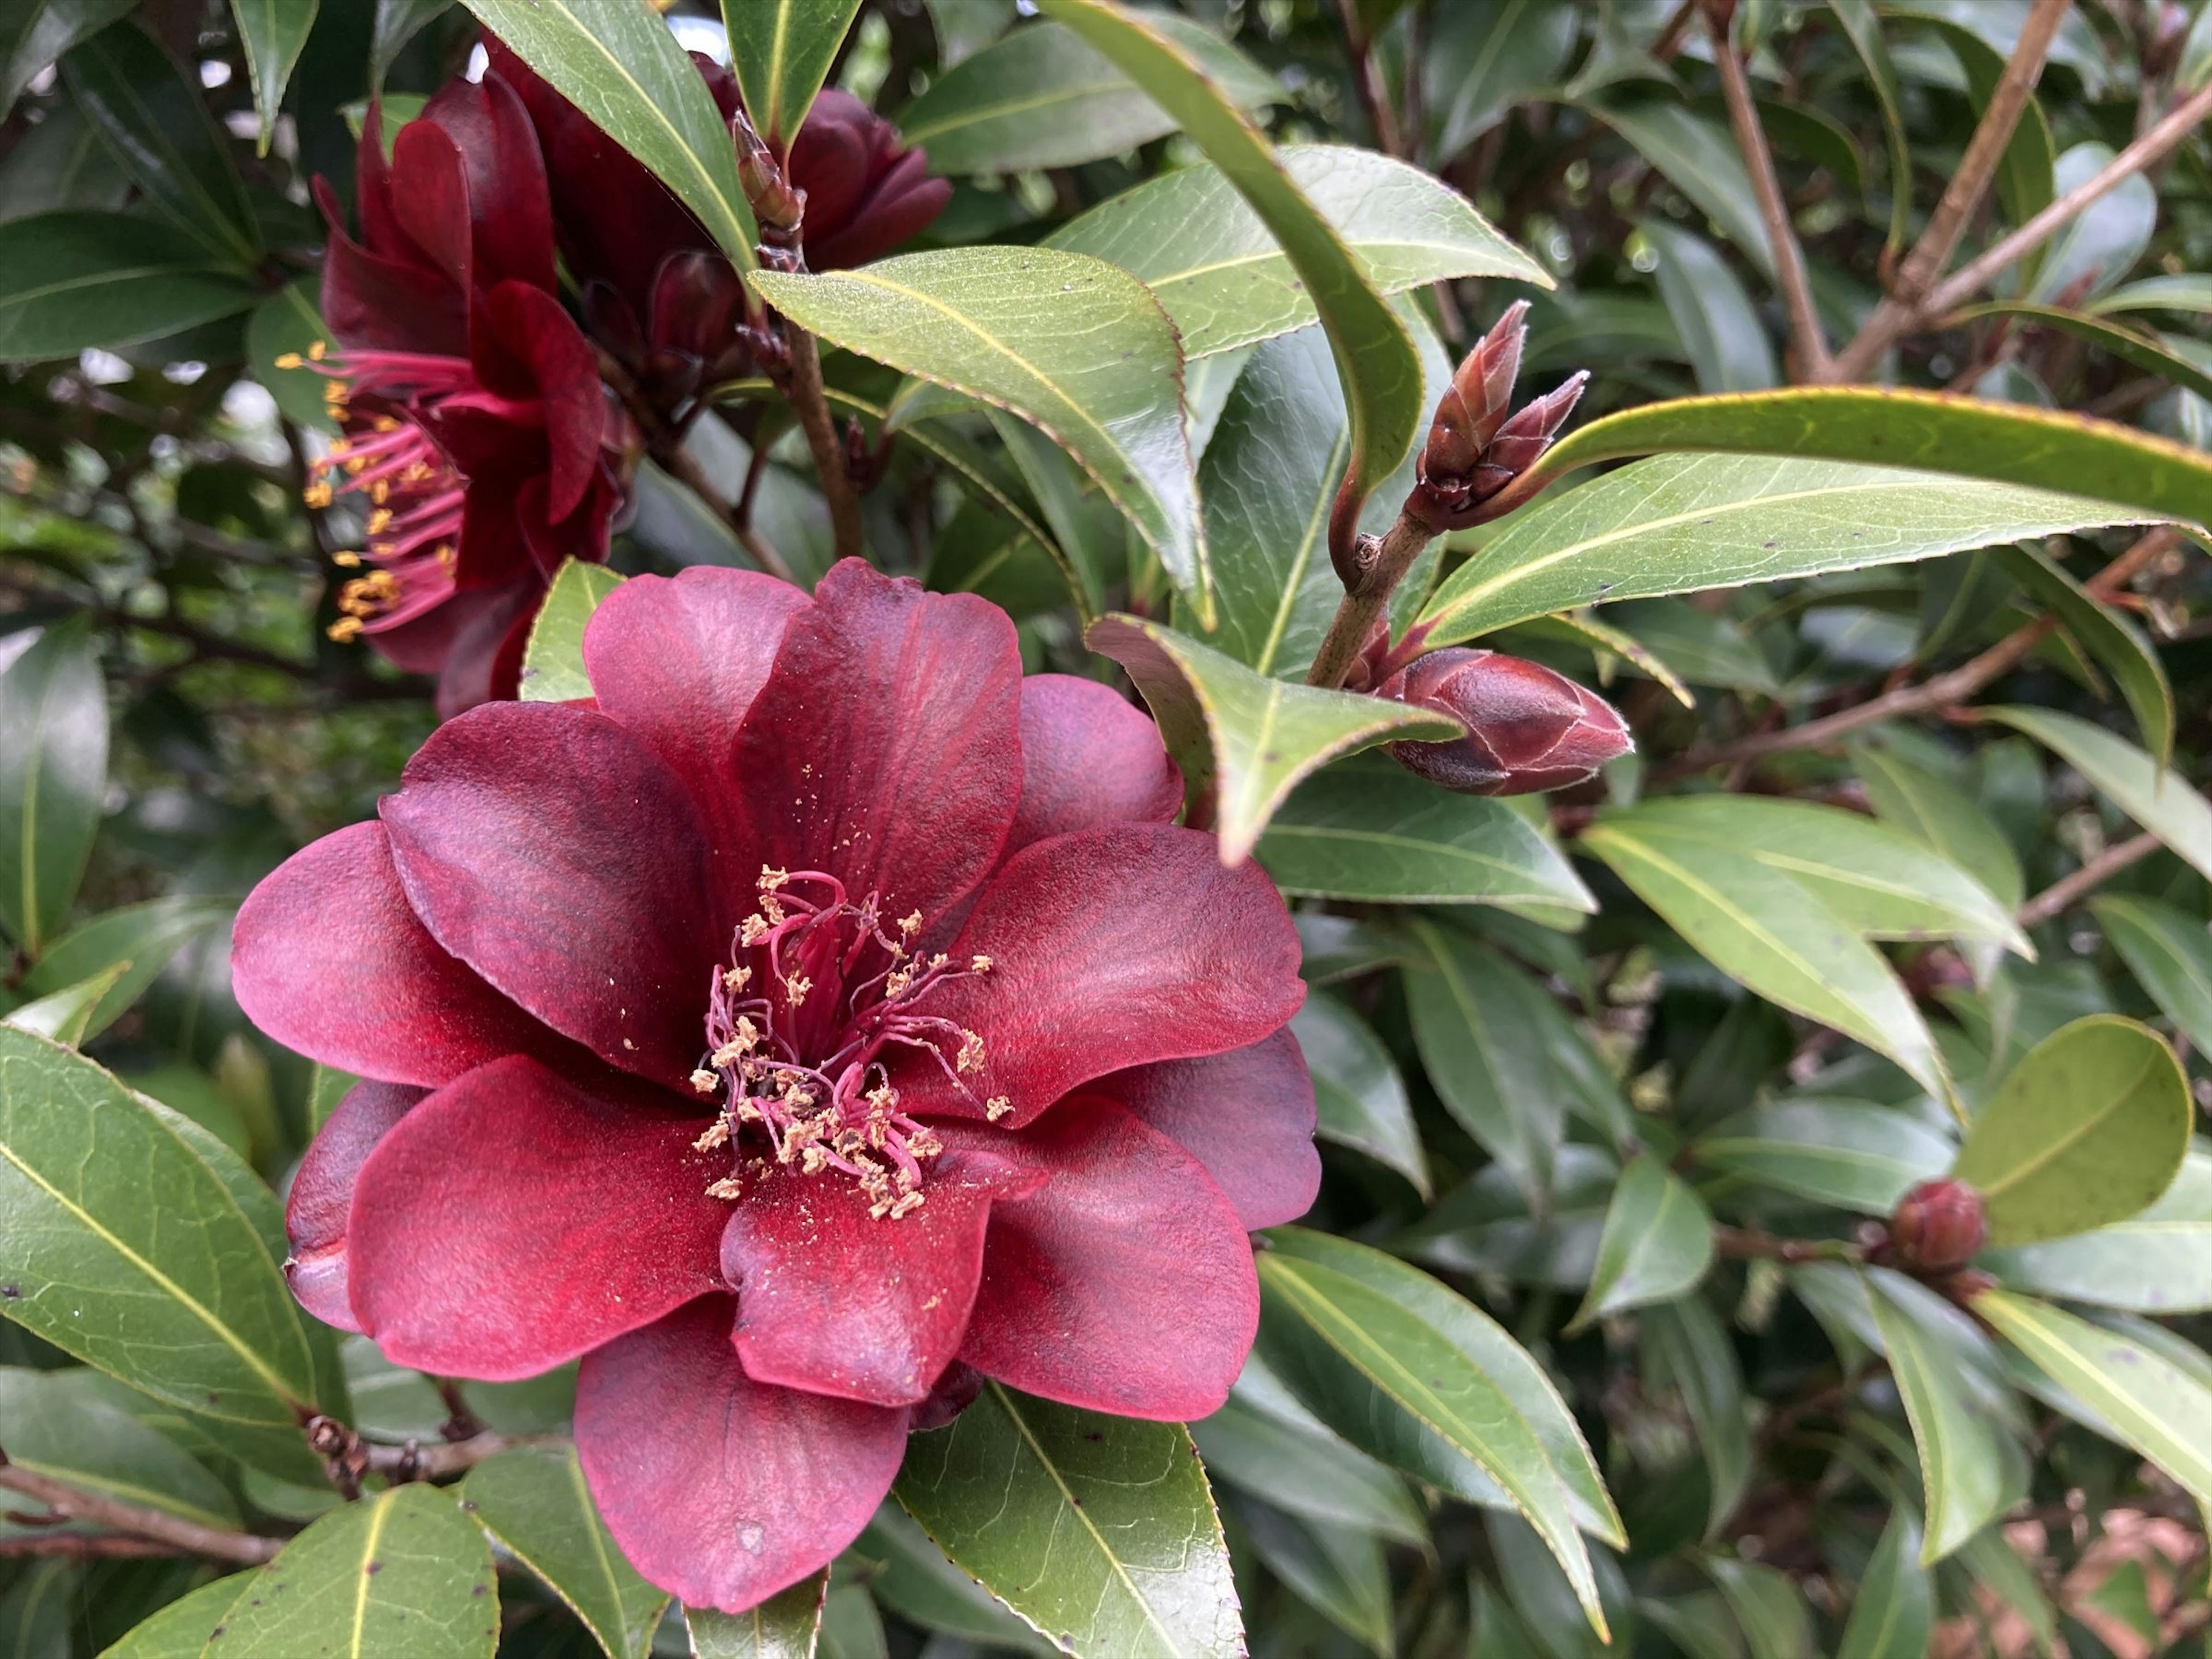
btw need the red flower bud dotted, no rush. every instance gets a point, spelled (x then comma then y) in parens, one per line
(1528, 728)
(1938, 1226)
(775, 203)
(1475, 405)
(1528, 435)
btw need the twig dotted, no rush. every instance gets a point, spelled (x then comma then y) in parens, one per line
(2061, 894)
(802, 384)
(223, 1543)
(1753, 1244)
(1811, 350)
(89, 1546)
(1384, 565)
(1373, 98)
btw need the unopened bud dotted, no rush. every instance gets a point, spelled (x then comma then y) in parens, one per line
(1938, 1227)
(1478, 400)
(1528, 728)
(1527, 435)
(778, 206)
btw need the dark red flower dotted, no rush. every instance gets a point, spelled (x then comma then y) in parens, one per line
(820, 1010)
(475, 425)
(1528, 728)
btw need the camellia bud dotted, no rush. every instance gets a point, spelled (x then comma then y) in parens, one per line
(1478, 400)
(778, 206)
(1938, 1227)
(1528, 728)
(1527, 435)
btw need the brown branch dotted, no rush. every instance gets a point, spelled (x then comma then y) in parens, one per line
(802, 384)
(1810, 349)
(414, 1461)
(1754, 1244)
(223, 1543)
(1383, 566)
(89, 1546)
(2061, 894)
(1368, 79)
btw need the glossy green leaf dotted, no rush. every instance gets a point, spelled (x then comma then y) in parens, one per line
(781, 50)
(1770, 933)
(60, 1425)
(288, 324)
(1486, 1224)
(1845, 1152)
(398, 22)
(138, 940)
(1888, 425)
(1485, 55)
(2156, 798)
(909, 1575)
(1862, 28)
(1691, 1342)
(1678, 524)
(1097, 1530)
(1338, 1570)
(34, 33)
(1376, 361)
(533, 1500)
(1357, 1093)
(1723, 335)
(2135, 348)
(72, 279)
(1227, 282)
(2113, 642)
(1937, 811)
(1893, 1614)
(1657, 1242)
(1377, 833)
(1069, 343)
(2142, 1397)
(401, 1572)
(617, 62)
(2089, 1129)
(2170, 954)
(1256, 737)
(785, 1627)
(1769, 1607)
(182, 1629)
(274, 32)
(61, 162)
(2102, 243)
(1413, 1374)
(181, 1297)
(2187, 291)
(553, 660)
(1962, 1462)
(1043, 96)
(53, 770)
(1297, 1463)
(66, 1015)
(2157, 1262)
(1697, 156)
(157, 122)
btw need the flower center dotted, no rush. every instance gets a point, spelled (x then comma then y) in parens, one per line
(817, 990)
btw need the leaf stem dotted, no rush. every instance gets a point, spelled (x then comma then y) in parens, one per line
(1382, 565)
(223, 1543)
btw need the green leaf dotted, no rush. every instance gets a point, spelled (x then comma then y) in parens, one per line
(1769, 1607)
(121, 1243)
(1679, 524)
(2154, 798)
(1861, 26)
(288, 324)
(785, 1627)
(1487, 1225)
(1041, 96)
(1097, 1530)
(907, 1572)
(1889, 426)
(61, 162)
(138, 940)
(1486, 56)
(1298, 1464)
(782, 51)
(1227, 282)
(1845, 1152)
(1338, 1570)
(2184, 291)
(1962, 1454)
(1722, 334)
(1931, 808)
(66, 1015)
(1376, 361)
(72, 279)
(1256, 737)
(2113, 642)
(398, 22)
(2169, 953)
(1691, 1344)
(155, 119)
(1770, 933)
(1377, 833)
(1657, 1242)
(2088, 1129)
(60, 1425)
(34, 33)
(182, 1629)
(616, 61)
(533, 1500)
(1413, 1373)
(53, 771)
(1698, 157)
(1359, 1096)
(2143, 1398)
(1893, 1614)
(2158, 1261)
(1070, 344)
(553, 661)
(401, 1572)
(274, 32)
(2140, 351)
(2024, 179)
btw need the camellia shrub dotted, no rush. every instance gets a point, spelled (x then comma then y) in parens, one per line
(905, 828)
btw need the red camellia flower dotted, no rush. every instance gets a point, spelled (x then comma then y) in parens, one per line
(819, 1016)
(476, 431)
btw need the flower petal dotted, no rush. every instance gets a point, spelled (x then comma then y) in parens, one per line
(1111, 947)
(431, 197)
(322, 1196)
(525, 347)
(1089, 758)
(544, 846)
(719, 1489)
(513, 1221)
(509, 205)
(328, 958)
(834, 1303)
(1125, 1285)
(678, 662)
(885, 747)
(1246, 1115)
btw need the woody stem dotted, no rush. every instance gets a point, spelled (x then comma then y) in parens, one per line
(1382, 566)
(802, 384)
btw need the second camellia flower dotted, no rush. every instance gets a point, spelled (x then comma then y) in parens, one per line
(821, 1016)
